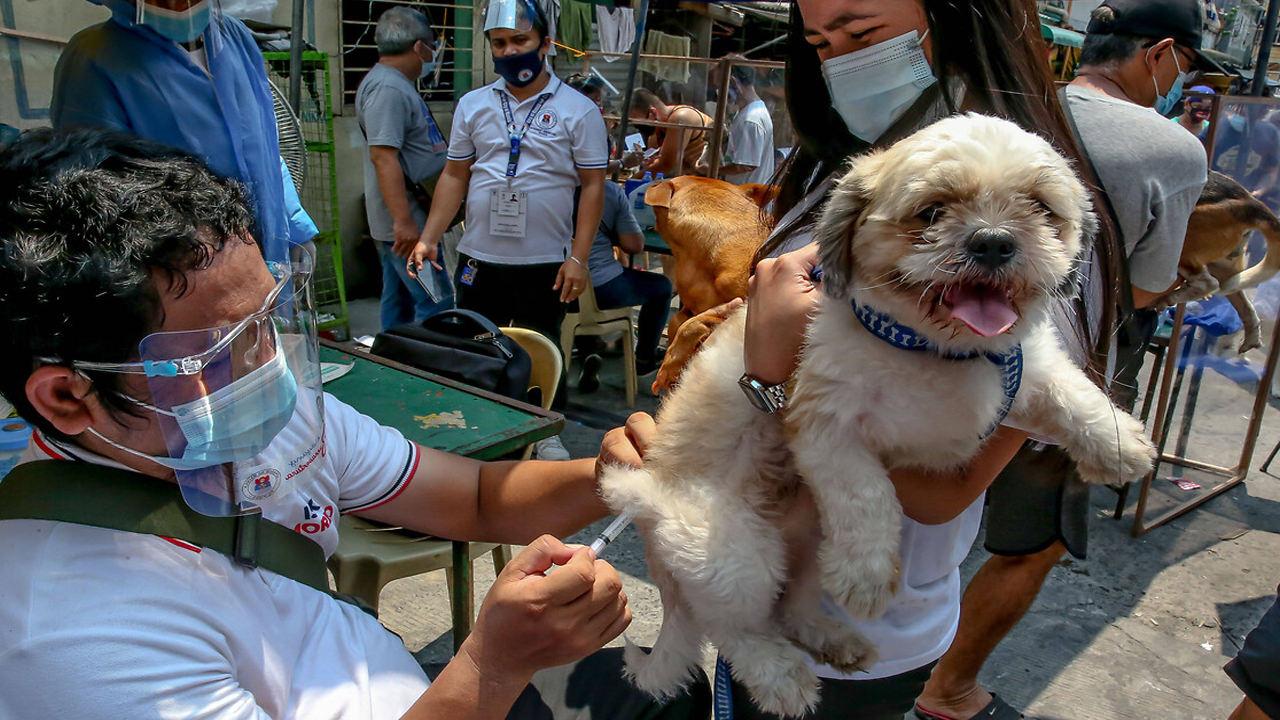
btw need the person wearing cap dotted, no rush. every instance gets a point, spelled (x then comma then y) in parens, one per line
(1137, 56)
(146, 341)
(185, 74)
(1194, 117)
(406, 148)
(519, 148)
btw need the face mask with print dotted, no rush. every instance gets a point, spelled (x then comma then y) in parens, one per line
(180, 26)
(871, 88)
(520, 70)
(1165, 103)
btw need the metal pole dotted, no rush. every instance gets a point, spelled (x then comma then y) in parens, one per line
(295, 55)
(1264, 50)
(642, 20)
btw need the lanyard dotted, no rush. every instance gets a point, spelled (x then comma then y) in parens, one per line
(517, 138)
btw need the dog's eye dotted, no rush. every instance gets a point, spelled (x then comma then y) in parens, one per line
(931, 214)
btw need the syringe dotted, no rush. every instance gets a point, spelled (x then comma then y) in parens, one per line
(611, 533)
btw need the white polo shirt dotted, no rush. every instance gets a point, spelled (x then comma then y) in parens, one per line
(565, 135)
(97, 623)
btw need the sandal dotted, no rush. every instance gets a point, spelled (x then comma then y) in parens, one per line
(997, 709)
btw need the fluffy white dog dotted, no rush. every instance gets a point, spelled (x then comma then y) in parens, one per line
(942, 257)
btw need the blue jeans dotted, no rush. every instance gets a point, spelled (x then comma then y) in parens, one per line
(403, 299)
(652, 292)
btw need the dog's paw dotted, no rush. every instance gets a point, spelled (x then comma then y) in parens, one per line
(830, 640)
(792, 694)
(1251, 340)
(661, 681)
(1127, 457)
(863, 584)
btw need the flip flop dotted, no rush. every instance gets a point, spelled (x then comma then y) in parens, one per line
(997, 709)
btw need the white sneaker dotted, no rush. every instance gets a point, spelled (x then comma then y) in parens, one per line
(550, 449)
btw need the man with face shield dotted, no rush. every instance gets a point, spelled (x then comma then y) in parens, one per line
(518, 149)
(184, 74)
(148, 342)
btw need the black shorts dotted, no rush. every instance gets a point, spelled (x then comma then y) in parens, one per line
(1038, 499)
(1256, 668)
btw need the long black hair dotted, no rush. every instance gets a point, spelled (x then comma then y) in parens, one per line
(995, 49)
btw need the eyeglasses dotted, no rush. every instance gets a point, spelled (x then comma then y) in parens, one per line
(249, 330)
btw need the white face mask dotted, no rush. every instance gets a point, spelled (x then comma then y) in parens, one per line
(873, 87)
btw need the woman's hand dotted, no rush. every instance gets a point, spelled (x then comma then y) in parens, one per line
(782, 297)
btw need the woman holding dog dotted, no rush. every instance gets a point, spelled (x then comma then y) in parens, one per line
(862, 74)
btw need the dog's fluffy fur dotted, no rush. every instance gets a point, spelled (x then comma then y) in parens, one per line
(893, 236)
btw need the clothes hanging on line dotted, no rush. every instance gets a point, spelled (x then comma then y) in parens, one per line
(551, 8)
(616, 28)
(660, 43)
(575, 21)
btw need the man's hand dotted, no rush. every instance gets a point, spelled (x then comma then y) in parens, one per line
(532, 619)
(406, 236)
(572, 280)
(626, 445)
(781, 300)
(424, 250)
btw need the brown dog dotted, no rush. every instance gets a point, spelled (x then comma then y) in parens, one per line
(713, 229)
(1213, 255)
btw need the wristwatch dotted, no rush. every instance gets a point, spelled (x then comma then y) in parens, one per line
(767, 399)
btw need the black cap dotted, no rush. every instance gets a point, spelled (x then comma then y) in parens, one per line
(1158, 19)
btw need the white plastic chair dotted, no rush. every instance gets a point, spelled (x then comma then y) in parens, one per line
(590, 320)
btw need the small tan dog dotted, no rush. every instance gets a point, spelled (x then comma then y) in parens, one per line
(713, 229)
(1213, 254)
(952, 245)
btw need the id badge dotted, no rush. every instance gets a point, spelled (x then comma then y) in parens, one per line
(469, 271)
(508, 213)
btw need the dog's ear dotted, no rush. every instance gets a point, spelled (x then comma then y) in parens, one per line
(841, 216)
(659, 194)
(759, 193)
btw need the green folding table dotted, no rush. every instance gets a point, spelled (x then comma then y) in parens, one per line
(439, 413)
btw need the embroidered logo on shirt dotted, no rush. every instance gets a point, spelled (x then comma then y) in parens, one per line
(260, 484)
(546, 120)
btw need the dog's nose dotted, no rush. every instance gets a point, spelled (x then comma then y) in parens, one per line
(992, 247)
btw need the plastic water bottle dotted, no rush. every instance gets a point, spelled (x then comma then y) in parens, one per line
(637, 195)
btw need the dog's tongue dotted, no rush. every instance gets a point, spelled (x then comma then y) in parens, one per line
(986, 310)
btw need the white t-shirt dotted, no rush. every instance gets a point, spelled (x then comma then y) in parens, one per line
(922, 618)
(751, 143)
(96, 623)
(565, 135)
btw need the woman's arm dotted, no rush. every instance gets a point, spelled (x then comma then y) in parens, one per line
(937, 498)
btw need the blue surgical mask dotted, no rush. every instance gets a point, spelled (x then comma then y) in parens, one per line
(520, 70)
(873, 87)
(429, 66)
(180, 26)
(1165, 103)
(231, 424)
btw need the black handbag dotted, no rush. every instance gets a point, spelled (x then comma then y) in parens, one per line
(461, 345)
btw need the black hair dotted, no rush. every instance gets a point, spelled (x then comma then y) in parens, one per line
(744, 74)
(88, 220)
(645, 99)
(995, 49)
(585, 83)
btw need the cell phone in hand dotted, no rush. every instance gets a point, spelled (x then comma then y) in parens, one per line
(429, 279)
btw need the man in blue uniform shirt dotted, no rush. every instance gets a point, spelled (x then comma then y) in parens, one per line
(190, 77)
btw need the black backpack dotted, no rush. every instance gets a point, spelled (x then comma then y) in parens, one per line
(460, 345)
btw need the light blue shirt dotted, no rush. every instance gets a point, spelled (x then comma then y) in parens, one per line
(127, 77)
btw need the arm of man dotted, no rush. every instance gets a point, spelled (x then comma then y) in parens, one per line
(631, 243)
(451, 191)
(386, 165)
(629, 235)
(573, 277)
(1153, 264)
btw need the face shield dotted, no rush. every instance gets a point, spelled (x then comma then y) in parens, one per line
(237, 404)
(515, 15)
(180, 26)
